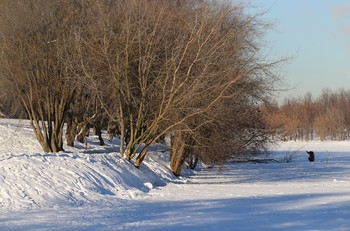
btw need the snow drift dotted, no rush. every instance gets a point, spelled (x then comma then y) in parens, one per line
(98, 190)
(30, 178)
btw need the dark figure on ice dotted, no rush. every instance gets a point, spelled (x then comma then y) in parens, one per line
(311, 156)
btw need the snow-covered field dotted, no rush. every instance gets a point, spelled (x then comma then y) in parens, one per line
(98, 190)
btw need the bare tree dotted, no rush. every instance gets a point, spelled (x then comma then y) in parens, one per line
(36, 47)
(233, 127)
(327, 115)
(10, 105)
(308, 116)
(158, 60)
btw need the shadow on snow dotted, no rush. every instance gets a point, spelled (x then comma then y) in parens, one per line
(256, 213)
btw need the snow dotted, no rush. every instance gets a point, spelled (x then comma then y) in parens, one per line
(30, 178)
(98, 190)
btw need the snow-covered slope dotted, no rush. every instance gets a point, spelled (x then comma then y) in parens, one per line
(98, 190)
(31, 178)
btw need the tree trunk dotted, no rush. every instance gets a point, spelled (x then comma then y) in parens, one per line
(43, 142)
(129, 142)
(71, 132)
(51, 141)
(142, 155)
(112, 130)
(98, 132)
(84, 131)
(182, 148)
(193, 161)
(177, 160)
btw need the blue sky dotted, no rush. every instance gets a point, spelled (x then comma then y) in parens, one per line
(317, 34)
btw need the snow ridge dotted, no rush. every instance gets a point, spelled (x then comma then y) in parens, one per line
(72, 178)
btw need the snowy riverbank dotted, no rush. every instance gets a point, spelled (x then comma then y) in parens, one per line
(98, 190)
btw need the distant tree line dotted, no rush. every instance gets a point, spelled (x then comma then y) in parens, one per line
(192, 69)
(304, 118)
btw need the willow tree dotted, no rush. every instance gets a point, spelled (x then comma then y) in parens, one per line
(36, 56)
(164, 64)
